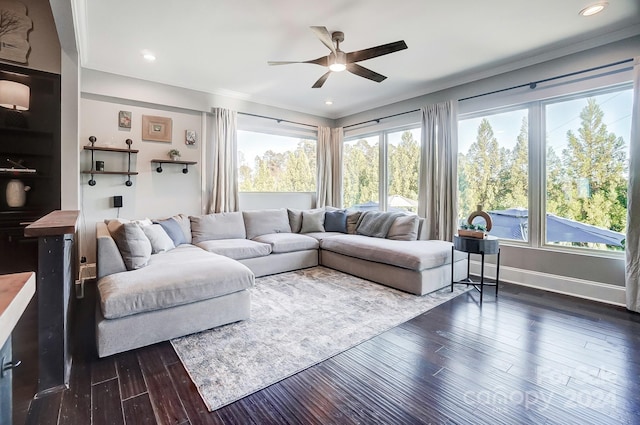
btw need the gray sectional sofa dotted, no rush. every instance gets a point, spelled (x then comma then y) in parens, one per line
(167, 278)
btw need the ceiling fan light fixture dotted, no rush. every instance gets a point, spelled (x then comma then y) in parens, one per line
(338, 61)
(594, 8)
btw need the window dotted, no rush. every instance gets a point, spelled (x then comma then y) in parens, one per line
(587, 145)
(272, 163)
(493, 170)
(580, 144)
(361, 173)
(403, 153)
(365, 179)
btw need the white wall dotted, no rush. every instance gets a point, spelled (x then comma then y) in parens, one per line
(153, 194)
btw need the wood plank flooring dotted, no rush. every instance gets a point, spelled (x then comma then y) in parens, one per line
(527, 357)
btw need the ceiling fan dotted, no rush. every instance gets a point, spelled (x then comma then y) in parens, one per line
(338, 60)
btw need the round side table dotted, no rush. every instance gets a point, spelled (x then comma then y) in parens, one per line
(488, 246)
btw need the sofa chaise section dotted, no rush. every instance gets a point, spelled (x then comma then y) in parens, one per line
(418, 267)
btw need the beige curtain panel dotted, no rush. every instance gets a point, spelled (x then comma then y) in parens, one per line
(438, 184)
(329, 167)
(632, 242)
(222, 147)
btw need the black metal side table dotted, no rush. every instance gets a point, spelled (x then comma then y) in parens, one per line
(488, 246)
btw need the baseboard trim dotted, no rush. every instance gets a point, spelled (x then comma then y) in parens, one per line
(590, 290)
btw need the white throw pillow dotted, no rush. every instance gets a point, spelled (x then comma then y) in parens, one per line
(312, 221)
(160, 240)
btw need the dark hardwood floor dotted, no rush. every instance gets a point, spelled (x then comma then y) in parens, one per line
(527, 357)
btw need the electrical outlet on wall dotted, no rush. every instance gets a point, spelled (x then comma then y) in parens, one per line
(117, 202)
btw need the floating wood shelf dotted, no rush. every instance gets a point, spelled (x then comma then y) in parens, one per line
(121, 173)
(107, 149)
(186, 164)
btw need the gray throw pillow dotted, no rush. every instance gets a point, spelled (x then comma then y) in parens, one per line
(185, 225)
(228, 225)
(312, 221)
(266, 222)
(295, 219)
(173, 229)
(160, 241)
(335, 221)
(404, 228)
(133, 245)
(352, 221)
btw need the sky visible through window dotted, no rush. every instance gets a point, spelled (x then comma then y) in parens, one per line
(565, 116)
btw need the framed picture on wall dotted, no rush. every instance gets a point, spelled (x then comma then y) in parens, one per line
(190, 137)
(156, 129)
(124, 119)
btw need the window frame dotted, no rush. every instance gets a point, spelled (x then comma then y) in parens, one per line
(383, 149)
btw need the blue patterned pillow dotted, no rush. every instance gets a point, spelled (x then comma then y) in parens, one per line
(174, 230)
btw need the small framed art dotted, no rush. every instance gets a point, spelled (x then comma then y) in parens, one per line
(124, 119)
(156, 129)
(190, 137)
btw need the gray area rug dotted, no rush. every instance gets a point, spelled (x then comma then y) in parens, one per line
(298, 319)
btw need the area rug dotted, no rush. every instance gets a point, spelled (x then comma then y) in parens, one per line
(298, 319)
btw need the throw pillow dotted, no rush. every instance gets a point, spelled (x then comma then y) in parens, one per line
(185, 225)
(295, 219)
(133, 245)
(312, 221)
(160, 241)
(174, 231)
(352, 221)
(335, 221)
(227, 225)
(266, 222)
(404, 228)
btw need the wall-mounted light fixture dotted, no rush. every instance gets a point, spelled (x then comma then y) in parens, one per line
(15, 97)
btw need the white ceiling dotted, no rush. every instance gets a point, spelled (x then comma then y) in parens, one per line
(222, 46)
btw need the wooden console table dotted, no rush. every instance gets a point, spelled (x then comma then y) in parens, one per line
(55, 233)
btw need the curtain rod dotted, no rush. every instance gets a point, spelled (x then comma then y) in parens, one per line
(532, 85)
(377, 120)
(279, 120)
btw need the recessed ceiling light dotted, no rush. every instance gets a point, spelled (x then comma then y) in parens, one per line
(328, 102)
(594, 8)
(148, 56)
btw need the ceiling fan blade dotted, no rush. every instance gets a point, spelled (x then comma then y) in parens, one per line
(323, 61)
(323, 34)
(321, 80)
(354, 68)
(374, 52)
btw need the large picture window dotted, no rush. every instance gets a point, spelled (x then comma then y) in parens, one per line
(493, 170)
(582, 145)
(395, 178)
(587, 145)
(273, 163)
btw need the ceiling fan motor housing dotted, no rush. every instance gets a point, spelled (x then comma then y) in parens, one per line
(337, 36)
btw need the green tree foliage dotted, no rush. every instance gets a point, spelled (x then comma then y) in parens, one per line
(360, 172)
(290, 171)
(586, 182)
(403, 164)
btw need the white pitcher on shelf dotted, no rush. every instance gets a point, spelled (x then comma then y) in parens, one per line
(17, 193)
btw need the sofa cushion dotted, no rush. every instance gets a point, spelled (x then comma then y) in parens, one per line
(133, 245)
(312, 221)
(238, 249)
(174, 230)
(322, 235)
(264, 222)
(288, 242)
(164, 282)
(229, 225)
(352, 221)
(335, 221)
(412, 255)
(404, 228)
(160, 241)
